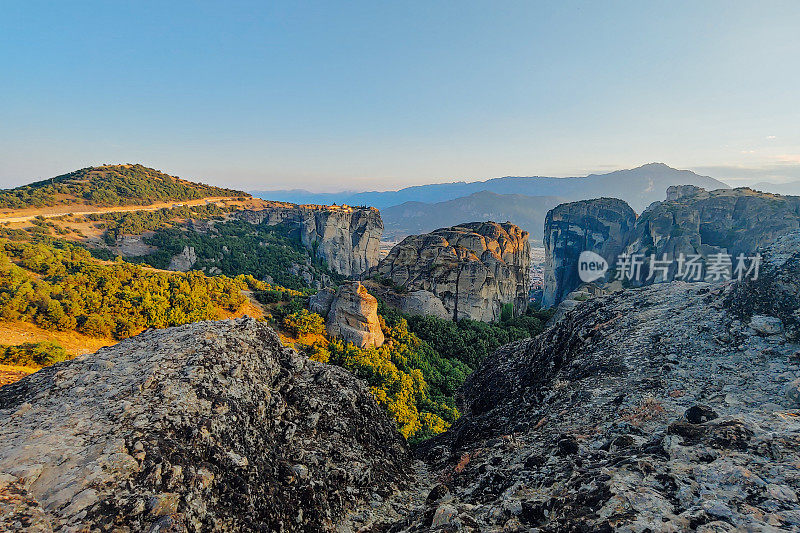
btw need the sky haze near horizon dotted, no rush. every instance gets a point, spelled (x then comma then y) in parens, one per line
(376, 96)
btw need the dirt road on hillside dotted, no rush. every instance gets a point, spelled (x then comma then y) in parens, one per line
(88, 210)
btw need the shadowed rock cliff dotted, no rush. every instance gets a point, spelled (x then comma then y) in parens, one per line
(696, 221)
(599, 225)
(347, 238)
(212, 426)
(692, 221)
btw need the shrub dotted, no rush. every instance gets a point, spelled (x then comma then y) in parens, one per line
(36, 354)
(304, 322)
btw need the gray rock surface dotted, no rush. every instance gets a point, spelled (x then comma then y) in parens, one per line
(347, 238)
(184, 261)
(692, 221)
(697, 221)
(212, 426)
(600, 226)
(320, 302)
(766, 325)
(474, 269)
(423, 303)
(651, 409)
(677, 192)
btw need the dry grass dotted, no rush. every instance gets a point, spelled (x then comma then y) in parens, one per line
(74, 343)
(20, 215)
(648, 409)
(12, 373)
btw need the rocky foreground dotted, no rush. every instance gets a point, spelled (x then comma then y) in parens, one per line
(673, 407)
(212, 426)
(667, 408)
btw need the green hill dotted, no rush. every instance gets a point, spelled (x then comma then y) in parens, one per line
(111, 185)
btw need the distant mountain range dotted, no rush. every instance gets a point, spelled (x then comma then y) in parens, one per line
(412, 218)
(790, 188)
(521, 200)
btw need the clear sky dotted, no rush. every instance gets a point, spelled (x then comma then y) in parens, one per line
(380, 95)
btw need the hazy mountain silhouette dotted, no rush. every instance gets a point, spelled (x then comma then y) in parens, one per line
(639, 187)
(411, 218)
(790, 188)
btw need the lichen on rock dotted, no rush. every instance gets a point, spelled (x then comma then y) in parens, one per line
(209, 426)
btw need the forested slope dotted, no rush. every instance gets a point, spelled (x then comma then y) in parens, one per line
(110, 185)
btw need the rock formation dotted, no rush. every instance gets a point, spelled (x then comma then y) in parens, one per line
(347, 238)
(692, 221)
(697, 221)
(474, 269)
(656, 409)
(672, 407)
(183, 261)
(599, 225)
(351, 314)
(423, 303)
(212, 426)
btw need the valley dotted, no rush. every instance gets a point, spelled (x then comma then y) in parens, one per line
(390, 382)
(400, 267)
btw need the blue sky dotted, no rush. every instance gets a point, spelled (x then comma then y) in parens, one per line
(380, 95)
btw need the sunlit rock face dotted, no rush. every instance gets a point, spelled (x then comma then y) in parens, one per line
(351, 314)
(474, 269)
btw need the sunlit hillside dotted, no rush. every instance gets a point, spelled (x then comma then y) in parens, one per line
(110, 185)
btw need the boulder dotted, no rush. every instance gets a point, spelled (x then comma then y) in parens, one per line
(766, 325)
(320, 302)
(353, 316)
(423, 303)
(213, 426)
(769, 303)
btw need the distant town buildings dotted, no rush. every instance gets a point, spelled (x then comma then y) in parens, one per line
(536, 274)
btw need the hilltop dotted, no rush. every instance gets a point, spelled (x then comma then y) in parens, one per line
(107, 186)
